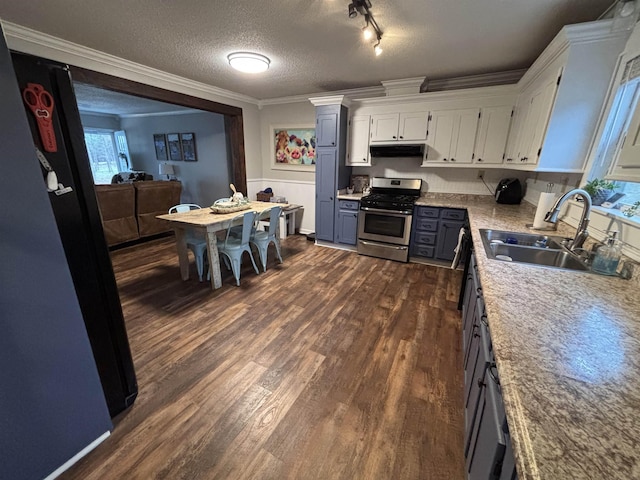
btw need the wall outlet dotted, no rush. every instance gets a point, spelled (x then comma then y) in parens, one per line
(480, 174)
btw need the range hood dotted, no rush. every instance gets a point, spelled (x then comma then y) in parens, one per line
(399, 150)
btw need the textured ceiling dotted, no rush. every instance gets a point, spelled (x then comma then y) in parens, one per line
(313, 44)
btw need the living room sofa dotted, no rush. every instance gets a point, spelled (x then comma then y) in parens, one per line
(129, 209)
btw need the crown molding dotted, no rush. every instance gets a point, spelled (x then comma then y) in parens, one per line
(331, 100)
(403, 86)
(479, 92)
(570, 35)
(353, 93)
(30, 41)
(473, 81)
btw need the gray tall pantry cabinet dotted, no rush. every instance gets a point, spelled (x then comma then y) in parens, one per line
(331, 172)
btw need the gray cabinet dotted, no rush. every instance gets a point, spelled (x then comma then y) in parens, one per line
(487, 448)
(326, 129)
(331, 172)
(326, 165)
(347, 222)
(435, 231)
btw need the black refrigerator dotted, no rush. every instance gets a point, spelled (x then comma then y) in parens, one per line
(52, 112)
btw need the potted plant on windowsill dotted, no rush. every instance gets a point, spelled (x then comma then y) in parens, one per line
(599, 190)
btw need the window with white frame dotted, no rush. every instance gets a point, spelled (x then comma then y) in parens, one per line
(107, 154)
(619, 158)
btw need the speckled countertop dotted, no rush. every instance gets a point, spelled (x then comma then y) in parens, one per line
(567, 347)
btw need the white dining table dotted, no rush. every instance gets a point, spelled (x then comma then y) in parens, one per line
(210, 222)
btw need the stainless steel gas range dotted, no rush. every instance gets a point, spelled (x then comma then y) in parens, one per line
(384, 220)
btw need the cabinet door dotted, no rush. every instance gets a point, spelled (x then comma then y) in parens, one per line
(542, 104)
(347, 229)
(488, 442)
(629, 156)
(515, 134)
(464, 139)
(447, 239)
(326, 129)
(359, 141)
(384, 127)
(441, 129)
(326, 167)
(452, 135)
(413, 126)
(492, 134)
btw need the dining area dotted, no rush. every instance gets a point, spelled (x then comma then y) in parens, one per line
(228, 232)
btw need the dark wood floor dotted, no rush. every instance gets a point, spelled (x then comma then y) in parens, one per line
(329, 366)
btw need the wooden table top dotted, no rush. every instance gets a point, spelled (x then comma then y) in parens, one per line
(206, 218)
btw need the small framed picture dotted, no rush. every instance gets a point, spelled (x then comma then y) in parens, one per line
(173, 142)
(188, 143)
(160, 142)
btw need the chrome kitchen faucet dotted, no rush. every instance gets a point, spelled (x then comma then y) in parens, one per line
(581, 231)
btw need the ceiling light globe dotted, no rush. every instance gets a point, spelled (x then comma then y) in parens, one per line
(367, 33)
(248, 62)
(377, 49)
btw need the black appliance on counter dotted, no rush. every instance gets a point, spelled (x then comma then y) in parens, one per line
(52, 110)
(384, 220)
(509, 191)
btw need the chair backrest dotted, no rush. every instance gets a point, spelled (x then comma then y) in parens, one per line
(274, 219)
(246, 220)
(184, 207)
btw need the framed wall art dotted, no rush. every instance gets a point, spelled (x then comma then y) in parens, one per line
(160, 143)
(293, 148)
(173, 144)
(188, 144)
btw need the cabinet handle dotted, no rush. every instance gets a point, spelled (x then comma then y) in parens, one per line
(453, 159)
(364, 159)
(330, 198)
(333, 143)
(494, 376)
(480, 383)
(445, 159)
(393, 137)
(479, 159)
(401, 136)
(483, 319)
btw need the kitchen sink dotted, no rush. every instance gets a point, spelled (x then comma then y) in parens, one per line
(534, 249)
(523, 239)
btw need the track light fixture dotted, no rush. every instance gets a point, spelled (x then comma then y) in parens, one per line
(371, 27)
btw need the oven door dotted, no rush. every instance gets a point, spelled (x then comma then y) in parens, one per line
(384, 226)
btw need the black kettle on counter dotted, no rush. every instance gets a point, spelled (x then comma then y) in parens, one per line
(509, 191)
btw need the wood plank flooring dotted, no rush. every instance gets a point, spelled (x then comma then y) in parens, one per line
(329, 366)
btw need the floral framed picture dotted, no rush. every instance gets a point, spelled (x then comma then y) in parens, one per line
(293, 148)
(173, 142)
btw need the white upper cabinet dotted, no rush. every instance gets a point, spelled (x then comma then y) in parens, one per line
(393, 127)
(452, 135)
(358, 153)
(562, 98)
(492, 134)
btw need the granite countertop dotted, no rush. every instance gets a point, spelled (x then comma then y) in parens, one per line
(349, 196)
(567, 347)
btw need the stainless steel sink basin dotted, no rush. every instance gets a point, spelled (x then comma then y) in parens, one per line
(530, 248)
(523, 239)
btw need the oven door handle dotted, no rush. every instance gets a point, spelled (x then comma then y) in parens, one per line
(388, 212)
(363, 242)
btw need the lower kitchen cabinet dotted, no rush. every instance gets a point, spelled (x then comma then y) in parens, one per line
(435, 232)
(347, 222)
(487, 448)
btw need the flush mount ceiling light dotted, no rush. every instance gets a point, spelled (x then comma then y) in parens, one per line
(248, 62)
(371, 27)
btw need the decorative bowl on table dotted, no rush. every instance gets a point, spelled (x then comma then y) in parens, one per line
(230, 205)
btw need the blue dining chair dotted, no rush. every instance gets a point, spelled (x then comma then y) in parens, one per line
(232, 248)
(196, 239)
(262, 239)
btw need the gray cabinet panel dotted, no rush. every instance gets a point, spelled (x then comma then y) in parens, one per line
(326, 164)
(447, 239)
(347, 228)
(326, 129)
